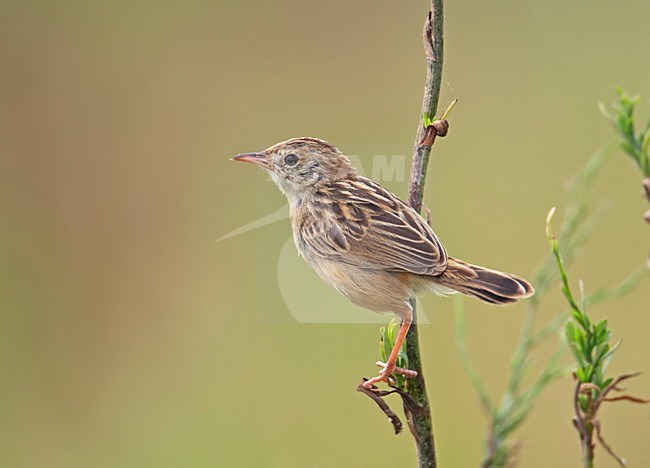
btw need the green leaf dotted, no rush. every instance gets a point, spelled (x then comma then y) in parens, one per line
(426, 120)
(577, 353)
(602, 350)
(569, 331)
(608, 355)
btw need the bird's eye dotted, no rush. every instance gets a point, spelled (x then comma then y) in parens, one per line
(290, 159)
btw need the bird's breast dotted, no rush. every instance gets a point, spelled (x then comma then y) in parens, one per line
(297, 216)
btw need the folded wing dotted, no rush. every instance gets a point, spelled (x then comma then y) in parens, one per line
(360, 223)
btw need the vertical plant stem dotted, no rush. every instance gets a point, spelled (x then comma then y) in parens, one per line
(585, 429)
(588, 451)
(433, 46)
(433, 43)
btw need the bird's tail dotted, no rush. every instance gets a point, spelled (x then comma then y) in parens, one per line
(487, 285)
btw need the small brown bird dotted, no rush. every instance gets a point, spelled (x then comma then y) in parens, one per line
(367, 243)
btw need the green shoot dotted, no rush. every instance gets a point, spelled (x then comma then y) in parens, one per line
(635, 145)
(386, 343)
(592, 348)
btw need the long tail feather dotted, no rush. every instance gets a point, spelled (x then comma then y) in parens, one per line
(488, 285)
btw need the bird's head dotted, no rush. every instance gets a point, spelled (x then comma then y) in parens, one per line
(300, 165)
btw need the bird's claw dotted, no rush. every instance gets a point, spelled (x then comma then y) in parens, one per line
(408, 373)
(386, 371)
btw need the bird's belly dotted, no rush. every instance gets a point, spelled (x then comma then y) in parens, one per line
(377, 290)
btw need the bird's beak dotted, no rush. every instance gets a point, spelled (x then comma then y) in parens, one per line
(255, 158)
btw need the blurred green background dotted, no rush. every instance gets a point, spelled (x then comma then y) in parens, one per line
(128, 337)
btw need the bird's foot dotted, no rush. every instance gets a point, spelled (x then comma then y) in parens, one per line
(386, 370)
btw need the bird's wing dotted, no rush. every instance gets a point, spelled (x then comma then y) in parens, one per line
(360, 223)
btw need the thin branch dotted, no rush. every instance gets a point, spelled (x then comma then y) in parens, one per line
(409, 404)
(629, 398)
(613, 386)
(376, 395)
(416, 403)
(621, 461)
(421, 422)
(433, 46)
(586, 434)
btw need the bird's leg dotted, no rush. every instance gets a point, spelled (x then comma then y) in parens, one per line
(389, 367)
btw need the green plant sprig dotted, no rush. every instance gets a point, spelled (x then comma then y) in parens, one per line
(428, 120)
(386, 342)
(589, 342)
(637, 146)
(591, 346)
